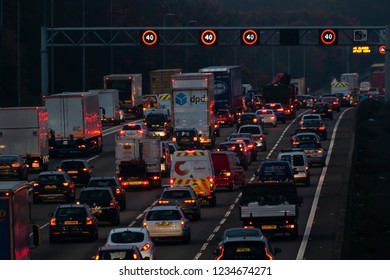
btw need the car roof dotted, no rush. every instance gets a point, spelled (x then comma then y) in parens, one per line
(51, 172)
(292, 152)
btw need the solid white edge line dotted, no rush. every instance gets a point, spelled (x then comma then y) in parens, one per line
(310, 220)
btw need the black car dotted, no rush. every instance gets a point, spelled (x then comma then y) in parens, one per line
(13, 166)
(53, 185)
(73, 221)
(102, 204)
(275, 172)
(114, 184)
(249, 118)
(323, 109)
(118, 252)
(185, 197)
(187, 139)
(78, 169)
(318, 125)
(159, 123)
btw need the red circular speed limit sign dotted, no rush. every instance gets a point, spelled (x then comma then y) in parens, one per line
(208, 37)
(149, 37)
(382, 49)
(249, 37)
(328, 36)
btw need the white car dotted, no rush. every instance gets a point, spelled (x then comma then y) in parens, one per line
(133, 130)
(268, 116)
(310, 117)
(299, 163)
(257, 134)
(137, 236)
(167, 221)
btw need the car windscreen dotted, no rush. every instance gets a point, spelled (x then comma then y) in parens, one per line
(75, 212)
(245, 250)
(230, 147)
(102, 183)
(155, 118)
(127, 237)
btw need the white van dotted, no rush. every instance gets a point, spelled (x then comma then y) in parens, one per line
(194, 168)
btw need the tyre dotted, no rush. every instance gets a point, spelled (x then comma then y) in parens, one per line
(213, 201)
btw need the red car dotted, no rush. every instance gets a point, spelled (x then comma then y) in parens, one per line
(228, 170)
(333, 102)
(224, 116)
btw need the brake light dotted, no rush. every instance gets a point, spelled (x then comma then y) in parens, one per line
(322, 127)
(60, 169)
(163, 202)
(140, 131)
(117, 191)
(53, 222)
(145, 247)
(195, 138)
(211, 180)
(255, 120)
(171, 181)
(228, 174)
(174, 139)
(250, 146)
(85, 169)
(189, 201)
(145, 183)
(319, 151)
(314, 110)
(88, 221)
(112, 204)
(182, 223)
(121, 132)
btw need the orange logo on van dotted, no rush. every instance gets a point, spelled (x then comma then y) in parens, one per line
(178, 171)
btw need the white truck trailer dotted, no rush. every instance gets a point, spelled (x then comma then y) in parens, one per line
(193, 105)
(138, 162)
(109, 106)
(74, 123)
(24, 131)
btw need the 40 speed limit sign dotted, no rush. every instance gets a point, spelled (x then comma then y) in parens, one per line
(328, 37)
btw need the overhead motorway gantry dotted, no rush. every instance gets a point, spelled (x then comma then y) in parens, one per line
(206, 36)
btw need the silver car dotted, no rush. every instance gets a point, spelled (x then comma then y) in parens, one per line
(166, 222)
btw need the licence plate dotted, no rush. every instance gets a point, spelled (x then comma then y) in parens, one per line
(71, 222)
(163, 224)
(73, 172)
(268, 227)
(96, 211)
(35, 165)
(185, 140)
(310, 152)
(4, 167)
(135, 183)
(50, 187)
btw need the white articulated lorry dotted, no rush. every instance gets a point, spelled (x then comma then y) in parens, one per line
(74, 123)
(24, 131)
(138, 162)
(193, 105)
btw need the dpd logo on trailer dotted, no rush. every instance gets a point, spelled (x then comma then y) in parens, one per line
(181, 99)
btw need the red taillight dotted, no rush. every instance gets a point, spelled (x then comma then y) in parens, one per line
(146, 247)
(182, 223)
(85, 169)
(88, 221)
(16, 165)
(121, 132)
(112, 204)
(117, 191)
(140, 131)
(280, 110)
(60, 169)
(171, 181)
(65, 184)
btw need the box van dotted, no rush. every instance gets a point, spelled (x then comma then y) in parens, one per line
(228, 170)
(194, 168)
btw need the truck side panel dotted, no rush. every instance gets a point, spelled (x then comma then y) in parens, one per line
(15, 226)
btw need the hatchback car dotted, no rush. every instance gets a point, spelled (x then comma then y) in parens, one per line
(185, 197)
(187, 139)
(246, 247)
(310, 117)
(304, 137)
(315, 153)
(79, 170)
(133, 236)
(114, 184)
(268, 116)
(249, 118)
(323, 109)
(167, 222)
(13, 166)
(53, 185)
(133, 130)
(72, 221)
(239, 149)
(257, 133)
(102, 204)
(278, 110)
(275, 172)
(299, 163)
(224, 116)
(118, 252)
(317, 125)
(333, 102)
